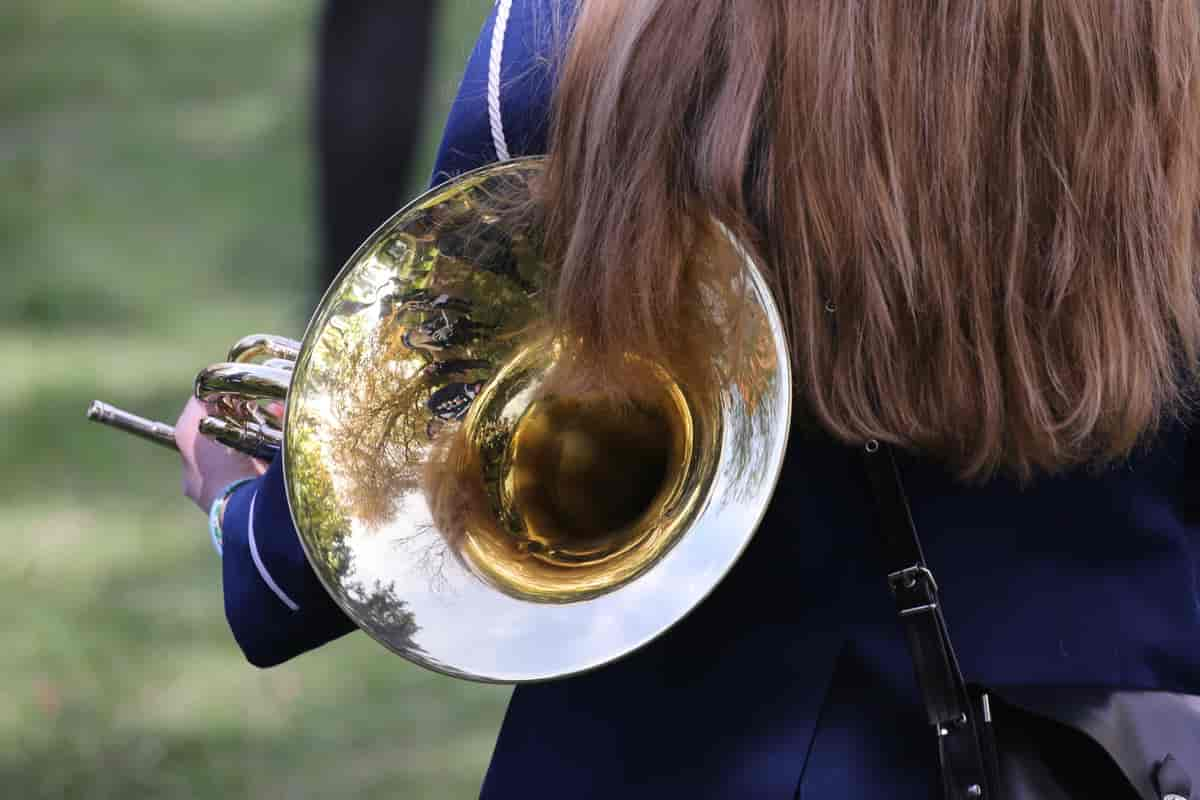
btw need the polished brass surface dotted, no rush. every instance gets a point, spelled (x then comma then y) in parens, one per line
(581, 494)
(245, 394)
(259, 345)
(259, 441)
(475, 524)
(158, 432)
(457, 508)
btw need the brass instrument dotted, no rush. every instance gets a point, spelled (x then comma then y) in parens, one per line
(455, 507)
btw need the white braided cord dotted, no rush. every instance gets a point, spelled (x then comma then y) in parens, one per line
(503, 7)
(262, 569)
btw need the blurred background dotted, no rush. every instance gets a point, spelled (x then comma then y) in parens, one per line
(157, 201)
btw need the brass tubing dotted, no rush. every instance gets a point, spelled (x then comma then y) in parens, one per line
(158, 432)
(246, 381)
(258, 345)
(250, 438)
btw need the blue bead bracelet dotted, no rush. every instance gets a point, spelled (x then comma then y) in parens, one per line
(217, 510)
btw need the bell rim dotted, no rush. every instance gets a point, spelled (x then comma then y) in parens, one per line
(729, 553)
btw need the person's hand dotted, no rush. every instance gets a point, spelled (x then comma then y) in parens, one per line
(208, 466)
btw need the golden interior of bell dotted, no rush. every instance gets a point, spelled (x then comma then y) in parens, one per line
(583, 472)
(586, 493)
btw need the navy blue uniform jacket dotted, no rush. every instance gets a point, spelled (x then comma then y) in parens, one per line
(792, 679)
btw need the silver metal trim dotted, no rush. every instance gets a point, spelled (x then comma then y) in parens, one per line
(908, 612)
(907, 577)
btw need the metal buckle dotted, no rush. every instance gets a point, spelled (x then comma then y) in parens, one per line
(907, 579)
(944, 729)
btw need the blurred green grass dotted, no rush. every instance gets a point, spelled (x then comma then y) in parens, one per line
(155, 204)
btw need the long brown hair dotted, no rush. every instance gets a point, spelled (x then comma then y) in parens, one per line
(980, 216)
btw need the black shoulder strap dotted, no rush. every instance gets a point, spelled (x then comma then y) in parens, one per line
(943, 690)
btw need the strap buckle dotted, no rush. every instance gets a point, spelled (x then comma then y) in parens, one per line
(916, 583)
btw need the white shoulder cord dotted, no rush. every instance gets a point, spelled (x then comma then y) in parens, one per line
(503, 7)
(262, 569)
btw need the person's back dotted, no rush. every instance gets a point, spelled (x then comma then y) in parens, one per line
(980, 220)
(794, 675)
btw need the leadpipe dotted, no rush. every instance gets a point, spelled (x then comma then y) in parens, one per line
(157, 432)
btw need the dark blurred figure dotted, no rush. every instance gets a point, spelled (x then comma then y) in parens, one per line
(372, 70)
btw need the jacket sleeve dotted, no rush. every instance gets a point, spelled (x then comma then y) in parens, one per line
(274, 602)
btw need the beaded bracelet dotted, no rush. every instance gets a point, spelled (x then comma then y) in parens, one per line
(217, 510)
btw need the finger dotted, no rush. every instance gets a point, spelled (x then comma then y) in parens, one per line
(187, 427)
